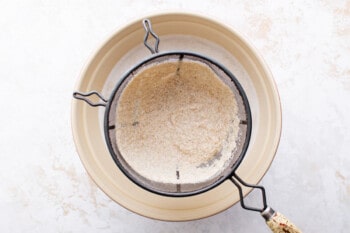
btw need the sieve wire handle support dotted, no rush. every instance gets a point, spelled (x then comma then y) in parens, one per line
(84, 97)
(277, 222)
(238, 182)
(149, 31)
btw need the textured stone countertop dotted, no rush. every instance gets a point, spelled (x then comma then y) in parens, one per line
(43, 47)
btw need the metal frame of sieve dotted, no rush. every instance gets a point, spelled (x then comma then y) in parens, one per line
(109, 125)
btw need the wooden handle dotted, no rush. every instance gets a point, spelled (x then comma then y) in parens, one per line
(278, 223)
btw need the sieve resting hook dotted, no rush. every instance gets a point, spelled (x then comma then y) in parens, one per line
(83, 96)
(148, 27)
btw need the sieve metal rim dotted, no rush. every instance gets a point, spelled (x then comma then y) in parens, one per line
(125, 171)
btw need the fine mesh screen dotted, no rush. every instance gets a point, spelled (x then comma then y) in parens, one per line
(173, 129)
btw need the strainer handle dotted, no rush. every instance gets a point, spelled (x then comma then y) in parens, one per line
(278, 223)
(274, 220)
(84, 97)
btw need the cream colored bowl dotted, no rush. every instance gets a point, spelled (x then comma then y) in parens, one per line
(178, 31)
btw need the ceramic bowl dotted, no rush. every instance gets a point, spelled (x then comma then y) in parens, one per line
(178, 31)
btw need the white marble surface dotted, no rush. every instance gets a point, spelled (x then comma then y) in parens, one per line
(43, 46)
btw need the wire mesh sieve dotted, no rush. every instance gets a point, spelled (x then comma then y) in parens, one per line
(178, 187)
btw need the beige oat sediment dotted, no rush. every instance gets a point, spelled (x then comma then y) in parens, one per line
(177, 125)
